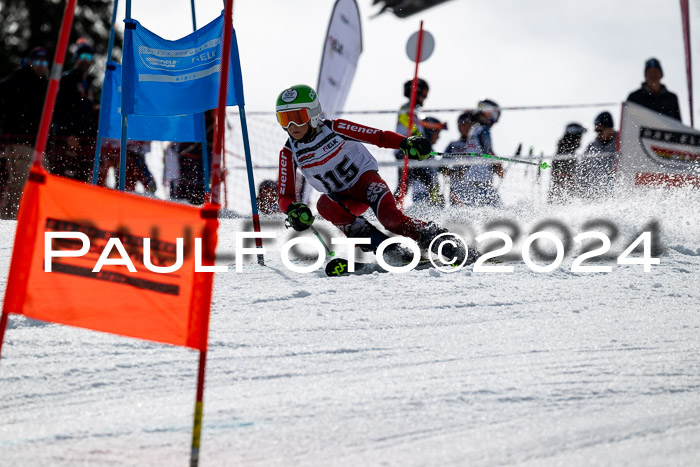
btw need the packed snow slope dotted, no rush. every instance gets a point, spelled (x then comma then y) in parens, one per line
(424, 368)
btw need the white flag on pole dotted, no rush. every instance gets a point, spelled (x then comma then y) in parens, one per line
(340, 54)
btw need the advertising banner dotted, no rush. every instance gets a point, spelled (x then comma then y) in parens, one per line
(340, 55)
(656, 150)
(163, 77)
(178, 128)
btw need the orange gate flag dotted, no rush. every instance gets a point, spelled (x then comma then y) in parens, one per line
(172, 307)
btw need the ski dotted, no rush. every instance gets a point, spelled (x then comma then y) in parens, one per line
(339, 267)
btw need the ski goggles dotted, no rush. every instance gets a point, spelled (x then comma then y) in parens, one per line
(298, 117)
(492, 115)
(85, 56)
(39, 62)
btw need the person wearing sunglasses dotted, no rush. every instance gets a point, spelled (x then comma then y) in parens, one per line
(22, 97)
(331, 156)
(75, 119)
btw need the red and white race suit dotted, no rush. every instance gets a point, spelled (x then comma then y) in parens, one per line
(333, 159)
(335, 162)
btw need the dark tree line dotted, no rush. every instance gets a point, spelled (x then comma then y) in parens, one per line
(25, 24)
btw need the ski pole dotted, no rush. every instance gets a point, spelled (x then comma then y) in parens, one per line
(542, 165)
(320, 239)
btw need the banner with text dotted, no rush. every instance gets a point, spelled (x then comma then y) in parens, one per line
(177, 128)
(163, 77)
(63, 230)
(656, 150)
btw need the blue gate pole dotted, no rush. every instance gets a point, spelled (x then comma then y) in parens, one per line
(122, 148)
(194, 17)
(251, 180)
(110, 47)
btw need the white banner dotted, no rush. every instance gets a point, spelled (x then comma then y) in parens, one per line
(656, 150)
(340, 54)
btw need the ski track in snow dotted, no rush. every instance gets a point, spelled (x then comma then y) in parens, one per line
(424, 368)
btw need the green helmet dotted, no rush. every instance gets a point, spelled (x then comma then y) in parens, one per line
(296, 98)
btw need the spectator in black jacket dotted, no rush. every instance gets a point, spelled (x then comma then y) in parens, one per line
(654, 95)
(561, 187)
(75, 119)
(21, 102)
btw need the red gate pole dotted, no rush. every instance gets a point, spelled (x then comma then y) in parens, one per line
(56, 72)
(414, 86)
(47, 112)
(685, 16)
(215, 199)
(221, 110)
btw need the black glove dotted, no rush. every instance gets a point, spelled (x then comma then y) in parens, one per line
(299, 216)
(416, 147)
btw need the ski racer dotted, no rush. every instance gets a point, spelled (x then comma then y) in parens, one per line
(333, 160)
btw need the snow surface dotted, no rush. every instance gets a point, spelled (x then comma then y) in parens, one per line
(424, 368)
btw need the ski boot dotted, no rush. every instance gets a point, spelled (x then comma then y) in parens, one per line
(455, 249)
(394, 254)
